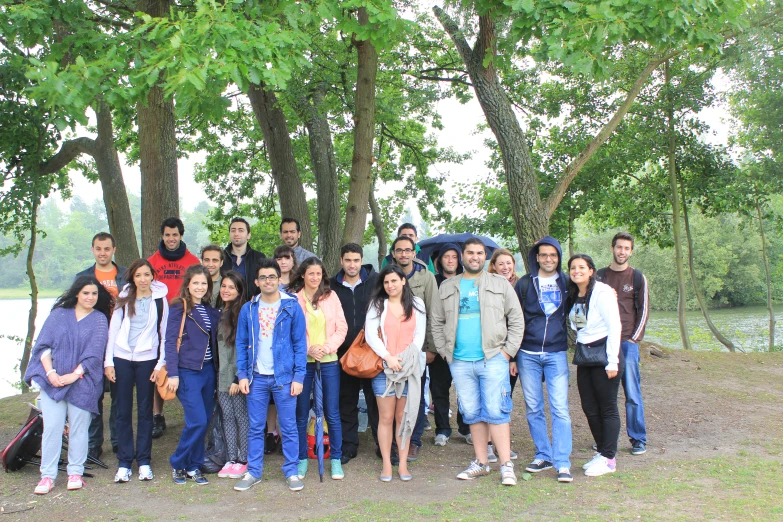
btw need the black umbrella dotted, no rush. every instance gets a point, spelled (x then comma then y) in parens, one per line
(430, 247)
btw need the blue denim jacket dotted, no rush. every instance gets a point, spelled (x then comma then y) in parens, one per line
(289, 341)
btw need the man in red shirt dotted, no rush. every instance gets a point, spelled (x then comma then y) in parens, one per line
(170, 262)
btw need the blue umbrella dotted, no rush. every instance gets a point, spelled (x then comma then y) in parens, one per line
(318, 409)
(430, 247)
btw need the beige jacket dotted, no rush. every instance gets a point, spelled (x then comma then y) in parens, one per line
(502, 321)
(425, 287)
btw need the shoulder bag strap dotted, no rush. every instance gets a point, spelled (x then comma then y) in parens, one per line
(182, 324)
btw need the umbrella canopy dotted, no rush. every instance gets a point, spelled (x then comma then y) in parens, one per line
(318, 409)
(430, 247)
(24, 447)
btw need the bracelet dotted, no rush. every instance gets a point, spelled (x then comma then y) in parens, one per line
(50, 371)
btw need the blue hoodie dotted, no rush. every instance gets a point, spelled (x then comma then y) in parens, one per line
(542, 333)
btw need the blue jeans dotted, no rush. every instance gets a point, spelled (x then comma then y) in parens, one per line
(632, 386)
(330, 380)
(261, 390)
(196, 392)
(554, 368)
(483, 390)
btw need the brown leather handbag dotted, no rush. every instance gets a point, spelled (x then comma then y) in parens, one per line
(162, 380)
(360, 360)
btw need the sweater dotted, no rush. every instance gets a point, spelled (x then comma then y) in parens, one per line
(147, 347)
(336, 326)
(170, 267)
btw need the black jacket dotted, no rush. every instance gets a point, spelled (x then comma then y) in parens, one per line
(119, 279)
(354, 302)
(251, 268)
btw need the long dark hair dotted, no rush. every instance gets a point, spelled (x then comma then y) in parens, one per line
(379, 294)
(184, 293)
(297, 280)
(130, 298)
(230, 316)
(573, 290)
(69, 298)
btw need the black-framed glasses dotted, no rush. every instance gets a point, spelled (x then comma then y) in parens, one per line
(272, 278)
(404, 251)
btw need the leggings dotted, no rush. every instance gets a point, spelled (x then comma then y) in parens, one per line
(235, 425)
(599, 402)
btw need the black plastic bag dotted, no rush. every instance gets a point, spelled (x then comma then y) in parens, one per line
(216, 454)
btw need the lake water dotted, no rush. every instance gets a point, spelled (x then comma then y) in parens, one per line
(747, 327)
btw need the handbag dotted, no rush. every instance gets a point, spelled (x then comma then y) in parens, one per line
(591, 354)
(360, 360)
(162, 380)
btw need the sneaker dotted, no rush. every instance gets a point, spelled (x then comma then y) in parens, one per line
(564, 475)
(337, 469)
(592, 461)
(158, 426)
(44, 486)
(427, 425)
(145, 472)
(476, 469)
(639, 448)
(123, 475)
(491, 457)
(602, 467)
(413, 452)
(238, 471)
(441, 440)
(75, 482)
(179, 476)
(538, 465)
(301, 469)
(226, 470)
(514, 455)
(271, 442)
(246, 482)
(595, 446)
(507, 477)
(294, 483)
(468, 438)
(198, 477)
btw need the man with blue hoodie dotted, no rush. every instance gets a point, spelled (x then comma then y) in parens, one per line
(271, 361)
(542, 357)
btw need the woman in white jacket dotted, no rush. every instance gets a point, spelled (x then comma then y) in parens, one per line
(594, 314)
(133, 357)
(395, 328)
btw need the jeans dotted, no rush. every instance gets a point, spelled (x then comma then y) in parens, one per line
(632, 386)
(196, 392)
(554, 367)
(54, 416)
(379, 386)
(330, 380)
(96, 424)
(483, 390)
(130, 374)
(599, 402)
(261, 390)
(349, 411)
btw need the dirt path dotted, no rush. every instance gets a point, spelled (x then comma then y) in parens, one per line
(699, 406)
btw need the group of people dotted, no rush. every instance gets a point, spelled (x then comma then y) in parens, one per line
(250, 332)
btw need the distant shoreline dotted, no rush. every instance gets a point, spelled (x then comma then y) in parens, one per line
(24, 293)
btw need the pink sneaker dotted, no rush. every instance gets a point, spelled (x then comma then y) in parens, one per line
(238, 471)
(45, 486)
(75, 482)
(226, 471)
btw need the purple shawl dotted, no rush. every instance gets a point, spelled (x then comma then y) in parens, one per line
(72, 343)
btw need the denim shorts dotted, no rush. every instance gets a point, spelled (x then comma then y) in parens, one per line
(483, 390)
(379, 386)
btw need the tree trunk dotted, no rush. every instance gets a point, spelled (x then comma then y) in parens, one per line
(115, 197)
(325, 170)
(290, 190)
(28, 342)
(571, 232)
(157, 153)
(769, 278)
(696, 286)
(378, 225)
(675, 200)
(363, 136)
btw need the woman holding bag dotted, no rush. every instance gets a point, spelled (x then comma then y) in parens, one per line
(593, 312)
(192, 363)
(133, 359)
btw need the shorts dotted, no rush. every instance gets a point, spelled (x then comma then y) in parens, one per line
(379, 386)
(483, 390)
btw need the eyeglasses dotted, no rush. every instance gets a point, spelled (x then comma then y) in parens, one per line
(547, 256)
(404, 251)
(271, 278)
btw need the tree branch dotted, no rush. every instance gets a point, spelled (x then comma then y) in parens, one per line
(456, 34)
(68, 152)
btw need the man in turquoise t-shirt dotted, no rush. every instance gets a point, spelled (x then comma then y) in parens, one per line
(468, 345)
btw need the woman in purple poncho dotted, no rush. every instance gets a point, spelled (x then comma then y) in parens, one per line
(67, 364)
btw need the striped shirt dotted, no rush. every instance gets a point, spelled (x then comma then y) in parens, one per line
(202, 311)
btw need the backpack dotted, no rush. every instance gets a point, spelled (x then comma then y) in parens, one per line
(638, 282)
(159, 306)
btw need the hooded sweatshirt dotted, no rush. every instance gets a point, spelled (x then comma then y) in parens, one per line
(545, 327)
(170, 266)
(149, 344)
(439, 277)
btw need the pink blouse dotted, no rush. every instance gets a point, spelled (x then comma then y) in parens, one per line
(399, 333)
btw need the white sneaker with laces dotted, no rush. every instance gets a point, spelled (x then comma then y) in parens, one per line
(123, 475)
(145, 473)
(441, 439)
(592, 461)
(508, 478)
(602, 467)
(476, 469)
(491, 457)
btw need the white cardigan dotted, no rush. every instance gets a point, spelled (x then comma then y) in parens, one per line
(603, 320)
(373, 321)
(147, 344)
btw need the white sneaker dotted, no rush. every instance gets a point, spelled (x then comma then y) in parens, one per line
(145, 473)
(507, 474)
(491, 457)
(592, 461)
(476, 469)
(441, 439)
(123, 475)
(602, 467)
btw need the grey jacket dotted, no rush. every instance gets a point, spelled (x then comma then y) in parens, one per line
(425, 287)
(502, 321)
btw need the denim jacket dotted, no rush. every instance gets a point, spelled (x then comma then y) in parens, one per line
(289, 341)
